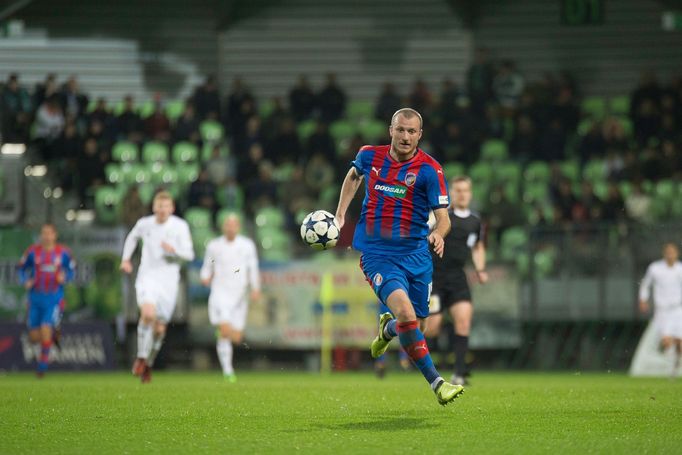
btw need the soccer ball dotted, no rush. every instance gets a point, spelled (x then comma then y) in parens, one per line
(320, 230)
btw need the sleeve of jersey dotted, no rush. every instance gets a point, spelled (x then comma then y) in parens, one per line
(208, 266)
(254, 271)
(360, 161)
(645, 286)
(131, 242)
(436, 187)
(185, 250)
(26, 266)
(69, 265)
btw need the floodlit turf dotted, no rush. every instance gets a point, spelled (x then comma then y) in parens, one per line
(345, 413)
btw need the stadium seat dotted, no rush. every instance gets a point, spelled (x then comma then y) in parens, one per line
(265, 109)
(107, 204)
(329, 196)
(224, 213)
(481, 173)
(200, 238)
(155, 151)
(600, 189)
(594, 107)
(230, 197)
(114, 174)
(619, 105)
(124, 152)
(269, 216)
(513, 243)
(585, 126)
(185, 152)
(207, 151)
(342, 129)
(199, 218)
(187, 173)
(119, 106)
(626, 124)
(373, 130)
(453, 169)
(275, 245)
(507, 172)
(570, 169)
(535, 192)
(137, 173)
(305, 129)
(211, 131)
(360, 110)
(494, 150)
(174, 109)
(594, 171)
(165, 175)
(146, 109)
(283, 172)
(537, 171)
(146, 191)
(625, 189)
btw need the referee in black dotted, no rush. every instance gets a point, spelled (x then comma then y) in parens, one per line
(450, 285)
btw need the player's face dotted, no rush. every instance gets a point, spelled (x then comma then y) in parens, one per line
(460, 193)
(231, 227)
(405, 135)
(670, 253)
(163, 209)
(48, 236)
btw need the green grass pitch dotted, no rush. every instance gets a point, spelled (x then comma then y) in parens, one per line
(281, 412)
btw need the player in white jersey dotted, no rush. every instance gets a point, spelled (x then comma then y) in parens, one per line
(166, 242)
(231, 270)
(665, 277)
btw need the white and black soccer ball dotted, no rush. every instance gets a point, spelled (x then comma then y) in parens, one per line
(320, 230)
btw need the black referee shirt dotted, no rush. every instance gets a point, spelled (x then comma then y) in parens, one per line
(465, 232)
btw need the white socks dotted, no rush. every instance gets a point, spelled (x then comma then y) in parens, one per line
(156, 347)
(145, 339)
(224, 348)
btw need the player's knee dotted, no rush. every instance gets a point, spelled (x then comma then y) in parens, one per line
(34, 336)
(462, 327)
(237, 337)
(225, 331)
(160, 329)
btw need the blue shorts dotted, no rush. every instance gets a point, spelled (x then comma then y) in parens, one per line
(43, 309)
(410, 272)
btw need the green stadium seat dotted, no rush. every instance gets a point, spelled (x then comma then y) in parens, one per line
(513, 243)
(185, 152)
(619, 105)
(373, 130)
(146, 108)
(265, 109)
(146, 191)
(224, 213)
(359, 110)
(163, 174)
(481, 173)
(453, 169)
(341, 130)
(136, 174)
(626, 124)
(535, 192)
(124, 152)
(494, 150)
(275, 244)
(329, 196)
(537, 171)
(594, 171)
(283, 172)
(211, 131)
(207, 151)
(585, 126)
(114, 174)
(594, 107)
(92, 105)
(155, 151)
(625, 189)
(200, 238)
(271, 217)
(119, 106)
(174, 109)
(230, 197)
(508, 172)
(305, 129)
(601, 189)
(544, 261)
(570, 169)
(199, 218)
(107, 204)
(187, 173)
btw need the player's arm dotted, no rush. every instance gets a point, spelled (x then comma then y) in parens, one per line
(208, 267)
(129, 246)
(68, 268)
(26, 269)
(440, 230)
(348, 189)
(184, 250)
(478, 258)
(254, 273)
(645, 290)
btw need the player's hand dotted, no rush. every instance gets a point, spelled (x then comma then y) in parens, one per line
(60, 277)
(168, 248)
(482, 276)
(28, 285)
(340, 219)
(255, 295)
(643, 306)
(438, 243)
(126, 267)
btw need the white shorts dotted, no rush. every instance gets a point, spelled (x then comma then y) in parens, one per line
(668, 322)
(227, 309)
(163, 294)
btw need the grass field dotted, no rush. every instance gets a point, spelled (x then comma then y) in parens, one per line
(345, 413)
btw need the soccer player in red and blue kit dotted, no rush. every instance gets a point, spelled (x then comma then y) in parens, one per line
(43, 270)
(403, 184)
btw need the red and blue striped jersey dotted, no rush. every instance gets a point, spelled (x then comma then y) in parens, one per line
(43, 266)
(398, 198)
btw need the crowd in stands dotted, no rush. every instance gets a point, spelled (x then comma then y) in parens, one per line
(569, 158)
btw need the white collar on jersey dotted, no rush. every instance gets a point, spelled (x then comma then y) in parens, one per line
(461, 213)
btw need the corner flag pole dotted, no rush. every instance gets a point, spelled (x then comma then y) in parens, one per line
(326, 296)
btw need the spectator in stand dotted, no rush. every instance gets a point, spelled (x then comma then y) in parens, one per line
(45, 90)
(451, 143)
(275, 119)
(494, 125)
(202, 192)
(614, 164)
(388, 102)
(220, 168)
(420, 98)
(588, 204)
(252, 136)
(319, 173)
(631, 170)
(331, 101)
(565, 109)
(592, 144)
(524, 144)
(90, 171)
(564, 201)
(638, 204)
(652, 166)
(480, 82)
(298, 196)
(672, 159)
(302, 100)
(613, 208)
(669, 130)
(449, 98)
(247, 167)
(132, 207)
(285, 147)
(157, 125)
(240, 106)
(74, 103)
(231, 195)
(16, 111)
(262, 191)
(648, 89)
(129, 124)
(67, 149)
(508, 85)
(102, 115)
(321, 142)
(48, 126)
(187, 126)
(501, 212)
(206, 100)
(646, 121)
(552, 142)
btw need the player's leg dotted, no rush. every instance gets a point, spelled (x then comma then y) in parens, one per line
(462, 313)
(145, 336)
(159, 336)
(45, 346)
(225, 349)
(433, 326)
(678, 355)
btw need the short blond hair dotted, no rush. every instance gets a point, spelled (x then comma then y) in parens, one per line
(408, 113)
(163, 195)
(460, 178)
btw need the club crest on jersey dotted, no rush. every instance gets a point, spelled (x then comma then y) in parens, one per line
(378, 279)
(398, 191)
(410, 178)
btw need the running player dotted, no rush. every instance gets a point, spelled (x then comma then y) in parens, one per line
(43, 270)
(166, 241)
(230, 269)
(665, 277)
(450, 285)
(403, 185)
